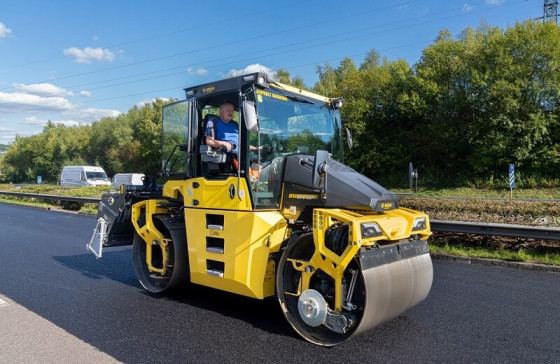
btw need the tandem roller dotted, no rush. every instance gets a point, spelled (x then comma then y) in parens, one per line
(282, 216)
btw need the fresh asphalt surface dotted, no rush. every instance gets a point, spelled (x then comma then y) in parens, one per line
(48, 281)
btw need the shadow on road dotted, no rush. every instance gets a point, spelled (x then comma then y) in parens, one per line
(117, 266)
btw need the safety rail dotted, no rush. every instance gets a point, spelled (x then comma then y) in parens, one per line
(464, 227)
(483, 228)
(51, 197)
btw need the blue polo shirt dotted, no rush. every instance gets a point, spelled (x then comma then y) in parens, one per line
(227, 132)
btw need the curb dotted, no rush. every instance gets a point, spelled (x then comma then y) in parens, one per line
(498, 262)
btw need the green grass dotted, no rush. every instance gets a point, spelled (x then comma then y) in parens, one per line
(58, 190)
(525, 256)
(55, 190)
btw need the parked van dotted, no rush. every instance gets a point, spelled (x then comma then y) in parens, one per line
(128, 179)
(84, 176)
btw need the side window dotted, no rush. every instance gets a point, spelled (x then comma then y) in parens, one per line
(179, 128)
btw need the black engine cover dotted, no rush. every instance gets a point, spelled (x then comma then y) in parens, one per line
(342, 187)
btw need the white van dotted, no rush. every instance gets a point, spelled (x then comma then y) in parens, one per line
(136, 179)
(84, 176)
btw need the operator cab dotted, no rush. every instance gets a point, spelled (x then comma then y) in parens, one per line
(275, 121)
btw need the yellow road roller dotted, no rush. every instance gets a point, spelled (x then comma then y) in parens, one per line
(276, 215)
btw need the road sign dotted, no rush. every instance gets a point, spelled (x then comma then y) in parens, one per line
(511, 175)
(39, 180)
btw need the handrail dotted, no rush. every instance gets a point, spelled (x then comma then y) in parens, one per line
(464, 227)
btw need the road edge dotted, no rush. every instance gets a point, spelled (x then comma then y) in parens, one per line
(498, 262)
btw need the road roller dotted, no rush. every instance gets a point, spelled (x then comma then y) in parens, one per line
(279, 215)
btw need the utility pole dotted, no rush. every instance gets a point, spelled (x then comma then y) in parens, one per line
(550, 11)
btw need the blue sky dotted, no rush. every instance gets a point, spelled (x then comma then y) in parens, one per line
(75, 62)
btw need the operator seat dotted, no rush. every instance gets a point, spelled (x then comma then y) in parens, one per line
(211, 157)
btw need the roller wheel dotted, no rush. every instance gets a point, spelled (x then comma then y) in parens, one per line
(176, 275)
(307, 312)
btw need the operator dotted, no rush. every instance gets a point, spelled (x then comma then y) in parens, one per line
(222, 131)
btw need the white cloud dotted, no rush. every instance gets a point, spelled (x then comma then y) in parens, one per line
(467, 7)
(494, 2)
(4, 30)
(198, 72)
(88, 54)
(84, 93)
(252, 68)
(91, 114)
(72, 118)
(149, 101)
(18, 101)
(42, 89)
(33, 120)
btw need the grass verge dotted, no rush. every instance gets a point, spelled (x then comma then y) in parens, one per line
(521, 255)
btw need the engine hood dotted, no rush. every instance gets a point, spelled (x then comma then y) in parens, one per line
(342, 186)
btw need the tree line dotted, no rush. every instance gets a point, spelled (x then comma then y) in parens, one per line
(127, 143)
(468, 108)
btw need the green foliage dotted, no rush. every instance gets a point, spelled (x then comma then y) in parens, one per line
(126, 143)
(491, 96)
(470, 107)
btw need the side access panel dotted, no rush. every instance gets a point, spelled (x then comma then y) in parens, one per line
(230, 250)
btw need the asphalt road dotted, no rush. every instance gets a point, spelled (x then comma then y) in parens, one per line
(58, 303)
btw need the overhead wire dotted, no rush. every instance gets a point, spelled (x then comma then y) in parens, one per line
(229, 43)
(258, 51)
(314, 45)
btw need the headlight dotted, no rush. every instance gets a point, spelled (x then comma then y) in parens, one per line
(419, 223)
(370, 229)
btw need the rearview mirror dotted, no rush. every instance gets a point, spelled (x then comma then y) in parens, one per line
(349, 139)
(250, 116)
(320, 167)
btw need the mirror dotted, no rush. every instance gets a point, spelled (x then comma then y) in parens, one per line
(320, 167)
(250, 116)
(349, 139)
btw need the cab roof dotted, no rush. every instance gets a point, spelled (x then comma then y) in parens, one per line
(216, 91)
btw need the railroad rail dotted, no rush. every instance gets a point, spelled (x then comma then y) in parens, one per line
(463, 227)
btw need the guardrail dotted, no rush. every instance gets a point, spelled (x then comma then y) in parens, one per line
(464, 227)
(51, 197)
(461, 198)
(482, 228)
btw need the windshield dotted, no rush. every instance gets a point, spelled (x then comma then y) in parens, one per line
(97, 175)
(288, 125)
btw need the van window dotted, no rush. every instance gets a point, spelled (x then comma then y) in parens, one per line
(96, 175)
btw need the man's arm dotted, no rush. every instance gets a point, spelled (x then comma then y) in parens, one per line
(218, 143)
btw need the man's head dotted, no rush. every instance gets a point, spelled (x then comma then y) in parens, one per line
(226, 111)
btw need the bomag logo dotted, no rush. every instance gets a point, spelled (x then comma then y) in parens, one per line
(208, 89)
(386, 205)
(301, 196)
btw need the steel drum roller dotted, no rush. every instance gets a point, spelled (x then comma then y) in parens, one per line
(393, 288)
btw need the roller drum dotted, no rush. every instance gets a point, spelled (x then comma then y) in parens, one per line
(394, 288)
(389, 281)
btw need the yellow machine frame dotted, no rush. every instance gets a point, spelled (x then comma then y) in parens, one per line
(235, 255)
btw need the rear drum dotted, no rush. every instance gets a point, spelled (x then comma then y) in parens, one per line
(178, 271)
